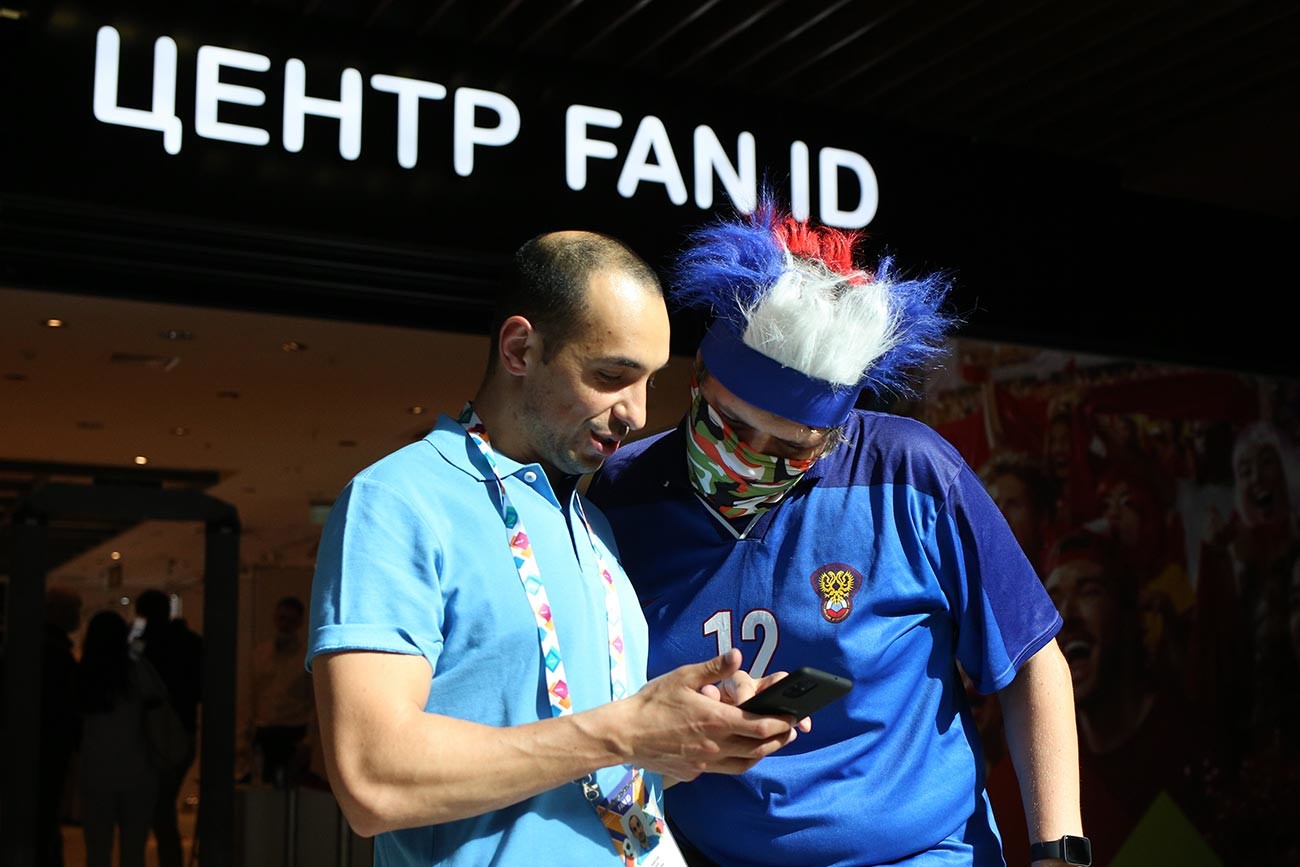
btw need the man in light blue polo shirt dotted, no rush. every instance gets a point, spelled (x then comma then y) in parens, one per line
(478, 654)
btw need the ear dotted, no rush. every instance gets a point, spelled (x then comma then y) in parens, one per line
(516, 338)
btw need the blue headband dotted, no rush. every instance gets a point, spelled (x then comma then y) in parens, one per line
(756, 379)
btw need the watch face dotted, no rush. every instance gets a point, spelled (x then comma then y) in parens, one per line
(1076, 850)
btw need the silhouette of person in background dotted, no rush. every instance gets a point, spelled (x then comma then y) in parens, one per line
(1243, 644)
(1026, 496)
(283, 706)
(118, 779)
(1137, 736)
(1137, 514)
(60, 721)
(176, 652)
(1246, 568)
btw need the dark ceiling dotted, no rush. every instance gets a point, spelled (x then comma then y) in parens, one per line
(1194, 100)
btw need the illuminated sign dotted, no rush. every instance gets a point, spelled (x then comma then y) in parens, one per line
(479, 119)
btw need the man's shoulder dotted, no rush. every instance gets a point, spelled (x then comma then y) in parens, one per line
(411, 466)
(881, 448)
(899, 433)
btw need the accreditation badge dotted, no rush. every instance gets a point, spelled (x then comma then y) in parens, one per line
(636, 828)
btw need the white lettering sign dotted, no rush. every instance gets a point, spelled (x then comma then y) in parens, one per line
(466, 134)
(578, 147)
(210, 90)
(740, 182)
(652, 138)
(829, 163)
(848, 193)
(799, 195)
(297, 105)
(162, 117)
(409, 93)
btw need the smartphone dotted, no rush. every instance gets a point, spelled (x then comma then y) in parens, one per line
(799, 694)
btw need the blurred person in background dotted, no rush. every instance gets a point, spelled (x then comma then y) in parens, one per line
(119, 781)
(1243, 589)
(1026, 497)
(60, 721)
(1137, 736)
(283, 708)
(176, 652)
(1139, 516)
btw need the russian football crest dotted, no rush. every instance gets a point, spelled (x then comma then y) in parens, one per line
(836, 583)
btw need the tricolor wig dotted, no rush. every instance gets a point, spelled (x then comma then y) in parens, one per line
(799, 329)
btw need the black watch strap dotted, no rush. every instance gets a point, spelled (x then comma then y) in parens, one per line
(1070, 849)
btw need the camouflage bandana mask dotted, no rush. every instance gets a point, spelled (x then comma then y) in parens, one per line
(735, 480)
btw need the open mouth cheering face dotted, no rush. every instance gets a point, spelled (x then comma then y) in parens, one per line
(1090, 636)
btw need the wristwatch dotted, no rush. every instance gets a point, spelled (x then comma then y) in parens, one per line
(1070, 849)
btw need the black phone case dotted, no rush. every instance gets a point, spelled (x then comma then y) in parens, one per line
(803, 692)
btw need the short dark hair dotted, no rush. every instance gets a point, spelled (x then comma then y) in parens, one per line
(1043, 489)
(153, 606)
(547, 284)
(1085, 544)
(290, 602)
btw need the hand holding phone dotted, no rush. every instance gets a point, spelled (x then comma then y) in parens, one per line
(800, 694)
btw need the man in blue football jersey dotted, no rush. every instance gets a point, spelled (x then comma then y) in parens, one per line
(780, 520)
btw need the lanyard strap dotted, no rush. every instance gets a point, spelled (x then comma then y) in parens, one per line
(557, 688)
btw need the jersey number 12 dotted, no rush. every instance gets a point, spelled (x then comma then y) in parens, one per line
(760, 619)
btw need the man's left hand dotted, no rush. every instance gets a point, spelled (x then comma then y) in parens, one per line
(740, 688)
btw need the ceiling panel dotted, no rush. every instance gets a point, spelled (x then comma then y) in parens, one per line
(1122, 84)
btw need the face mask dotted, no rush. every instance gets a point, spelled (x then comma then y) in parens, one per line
(736, 481)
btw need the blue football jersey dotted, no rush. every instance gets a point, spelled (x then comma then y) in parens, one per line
(887, 562)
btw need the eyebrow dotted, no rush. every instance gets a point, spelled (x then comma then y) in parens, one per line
(734, 419)
(622, 361)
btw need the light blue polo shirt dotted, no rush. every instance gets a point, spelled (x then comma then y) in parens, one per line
(414, 560)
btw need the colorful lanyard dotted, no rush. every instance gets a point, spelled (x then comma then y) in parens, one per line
(557, 688)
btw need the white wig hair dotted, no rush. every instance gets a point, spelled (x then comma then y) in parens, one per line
(821, 323)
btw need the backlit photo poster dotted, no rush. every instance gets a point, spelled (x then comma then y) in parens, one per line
(1161, 508)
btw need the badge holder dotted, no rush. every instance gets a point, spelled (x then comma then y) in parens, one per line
(639, 835)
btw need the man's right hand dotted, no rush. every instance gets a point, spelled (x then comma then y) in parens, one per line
(674, 729)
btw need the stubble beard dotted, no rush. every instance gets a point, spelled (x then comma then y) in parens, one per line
(554, 448)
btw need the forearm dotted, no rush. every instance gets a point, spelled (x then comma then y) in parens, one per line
(1038, 707)
(392, 765)
(425, 769)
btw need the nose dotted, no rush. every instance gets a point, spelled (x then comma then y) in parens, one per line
(762, 443)
(631, 408)
(1067, 607)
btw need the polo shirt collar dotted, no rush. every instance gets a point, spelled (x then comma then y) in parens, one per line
(451, 441)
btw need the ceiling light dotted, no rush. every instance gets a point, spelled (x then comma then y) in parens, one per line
(116, 555)
(416, 410)
(54, 323)
(180, 431)
(176, 334)
(293, 346)
(141, 460)
(125, 600)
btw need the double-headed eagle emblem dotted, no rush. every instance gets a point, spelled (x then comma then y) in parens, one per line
(836, 584)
